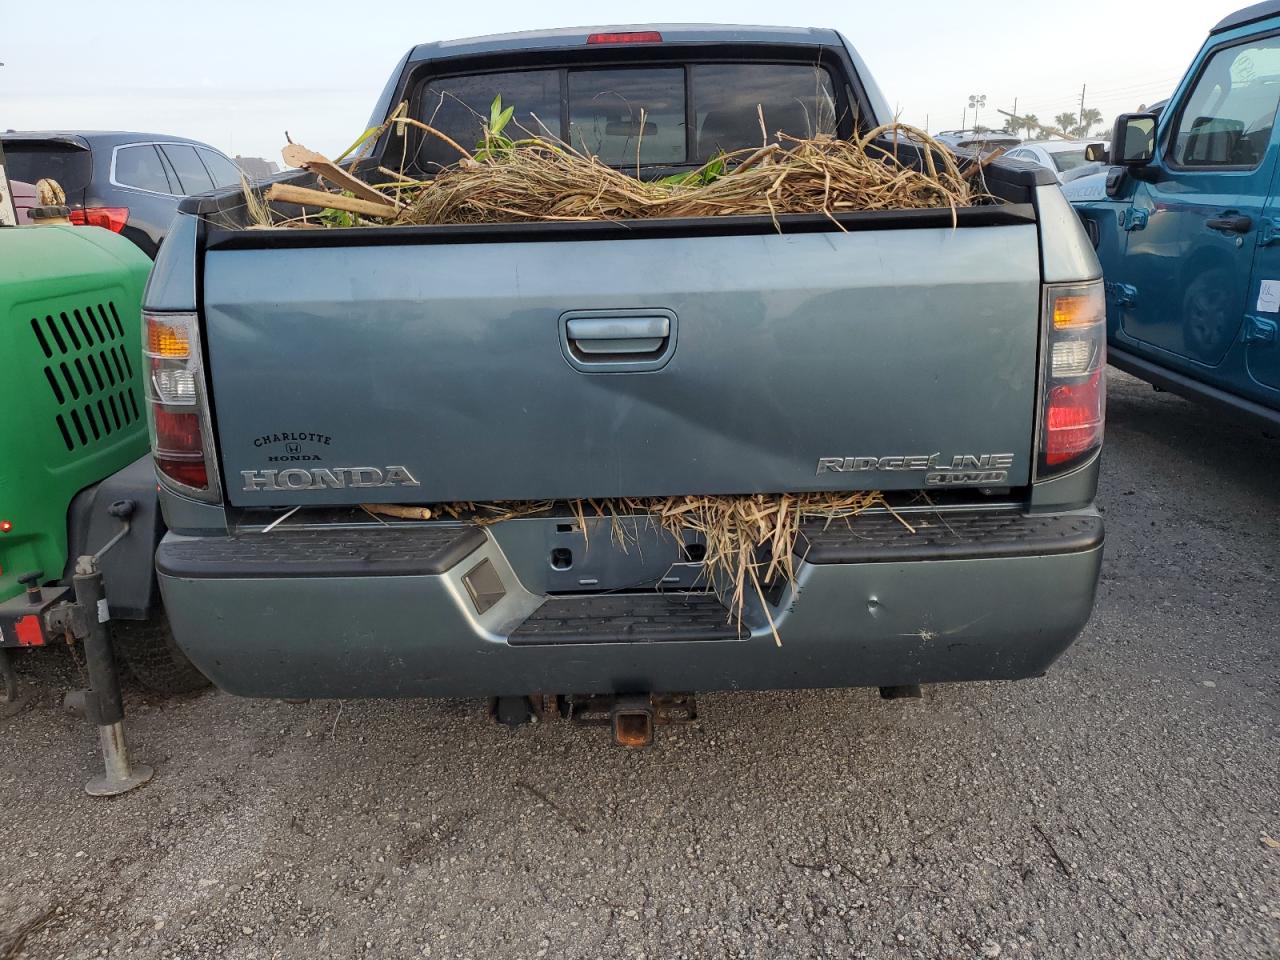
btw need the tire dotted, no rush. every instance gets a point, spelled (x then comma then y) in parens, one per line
(153, 657)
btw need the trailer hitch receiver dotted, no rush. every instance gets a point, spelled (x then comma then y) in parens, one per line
(632, 722)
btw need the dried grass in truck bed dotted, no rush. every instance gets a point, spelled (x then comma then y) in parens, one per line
(539, 179)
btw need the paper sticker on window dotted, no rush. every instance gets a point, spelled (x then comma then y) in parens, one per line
(1269, 297)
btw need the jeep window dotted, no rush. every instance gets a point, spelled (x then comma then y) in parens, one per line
(139, 166)
(604, 108)
(1226, 121)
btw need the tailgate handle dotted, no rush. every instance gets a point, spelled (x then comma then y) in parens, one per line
(613, 335)
(618, 341)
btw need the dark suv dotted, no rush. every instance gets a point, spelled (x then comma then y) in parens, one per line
(129, 183)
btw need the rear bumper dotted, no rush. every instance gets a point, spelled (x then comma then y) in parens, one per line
(397, 617)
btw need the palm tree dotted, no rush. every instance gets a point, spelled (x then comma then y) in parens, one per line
(1088, 118)
(1030, 123)
(1064, 121)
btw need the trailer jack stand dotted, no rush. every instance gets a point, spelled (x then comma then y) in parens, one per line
(87, 618)
(103, 702)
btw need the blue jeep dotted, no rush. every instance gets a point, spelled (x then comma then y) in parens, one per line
(1186, 222)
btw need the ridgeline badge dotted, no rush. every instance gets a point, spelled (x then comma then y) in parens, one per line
(991, 469)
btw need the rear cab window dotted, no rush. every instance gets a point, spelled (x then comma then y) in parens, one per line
(629, 116)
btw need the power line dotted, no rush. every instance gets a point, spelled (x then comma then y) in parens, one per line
(1096, 97)
(1129, 85)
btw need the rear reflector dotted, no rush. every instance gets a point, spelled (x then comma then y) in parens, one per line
(637, 36)
(113, 218)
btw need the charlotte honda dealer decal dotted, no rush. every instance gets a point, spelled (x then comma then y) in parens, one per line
(293, 447)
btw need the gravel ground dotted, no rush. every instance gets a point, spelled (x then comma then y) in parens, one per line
(1119, 807)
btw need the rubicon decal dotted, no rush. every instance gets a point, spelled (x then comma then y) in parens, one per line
(982, 468)
(320, 478)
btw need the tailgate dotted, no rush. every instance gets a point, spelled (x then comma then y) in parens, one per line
(623, 367)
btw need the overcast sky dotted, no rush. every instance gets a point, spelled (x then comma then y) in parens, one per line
(238, 74)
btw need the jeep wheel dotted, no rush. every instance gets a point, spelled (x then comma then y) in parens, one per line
(148, 647)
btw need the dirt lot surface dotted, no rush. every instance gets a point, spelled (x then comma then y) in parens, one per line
(1120, 807)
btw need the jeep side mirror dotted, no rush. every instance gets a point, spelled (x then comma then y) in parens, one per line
(1096, 153)
(1133, 142)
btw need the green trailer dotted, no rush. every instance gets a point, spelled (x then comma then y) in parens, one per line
(73, 443)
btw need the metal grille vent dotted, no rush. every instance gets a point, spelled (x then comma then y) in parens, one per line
(89, 371)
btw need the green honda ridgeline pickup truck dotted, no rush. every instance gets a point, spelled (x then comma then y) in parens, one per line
(952, 360)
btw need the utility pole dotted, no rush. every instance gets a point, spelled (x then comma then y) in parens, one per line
(1080, 117)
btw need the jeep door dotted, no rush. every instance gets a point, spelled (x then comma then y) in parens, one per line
(1181, 287)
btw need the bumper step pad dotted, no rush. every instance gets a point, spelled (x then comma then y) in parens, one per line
(627, 618)
(883, 538)
(357, 552)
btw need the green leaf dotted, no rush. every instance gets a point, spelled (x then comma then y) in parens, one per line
(495, 109)
(503, 119)
(337, 218)
(364, 138)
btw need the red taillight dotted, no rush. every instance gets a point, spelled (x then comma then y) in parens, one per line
(178, 433)
(635, 36)
(1073, 420)
(1075, 384)
(179, 450)
(113, 218)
